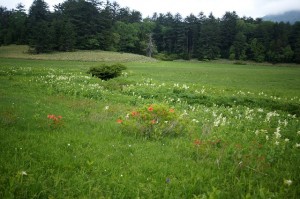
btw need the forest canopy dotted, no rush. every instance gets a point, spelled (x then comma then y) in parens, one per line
(104, 25)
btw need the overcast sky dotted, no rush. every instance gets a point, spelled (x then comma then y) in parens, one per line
(253, 8)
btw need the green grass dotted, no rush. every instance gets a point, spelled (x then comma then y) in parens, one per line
(233, 147)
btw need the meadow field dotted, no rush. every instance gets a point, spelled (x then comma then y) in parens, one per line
(161, 130)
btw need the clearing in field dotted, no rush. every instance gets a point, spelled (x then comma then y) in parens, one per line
(160, 130)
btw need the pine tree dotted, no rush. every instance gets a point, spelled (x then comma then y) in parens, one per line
(209, 39)
(228, 32)
(39, 27)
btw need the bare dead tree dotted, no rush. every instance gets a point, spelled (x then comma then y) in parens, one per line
(150, 47)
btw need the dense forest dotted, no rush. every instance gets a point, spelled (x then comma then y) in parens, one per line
(95, 24)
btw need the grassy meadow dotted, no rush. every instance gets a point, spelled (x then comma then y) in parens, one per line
(66, 134)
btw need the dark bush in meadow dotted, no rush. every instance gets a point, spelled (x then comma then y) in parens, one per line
(106, 72)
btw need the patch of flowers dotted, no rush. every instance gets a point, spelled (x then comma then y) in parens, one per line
(154, 121)
(77, 85)
(55, 121)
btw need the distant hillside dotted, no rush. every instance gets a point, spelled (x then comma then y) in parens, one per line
(291, 16)
(21, 51)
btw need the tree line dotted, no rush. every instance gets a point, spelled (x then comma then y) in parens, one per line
(95, 24)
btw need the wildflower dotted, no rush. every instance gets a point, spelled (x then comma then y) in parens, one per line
(197, 142)
(286, 140)
(150, 108)
(194, 120)
(256, 132)
(59, 117)
(23, 173)
(277, 134)
(106, 107)
(267, 137)
(298, 132)
(134, 113)
(288, 182)
(297, 145)
(153, 121)
(51, 116)
(119, 121)
(172, 110)
(260, 110)
(276, 143)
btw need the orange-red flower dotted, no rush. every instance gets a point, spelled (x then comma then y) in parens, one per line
(197, 142)
(150, 108)
(172, 110)
(153, 121)
(51, 116)
(134, 113)
(119, 121)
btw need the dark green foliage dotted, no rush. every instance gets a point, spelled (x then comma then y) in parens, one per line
(209, 39)
(39, 27)
(228, 32)
(166, 57)
(99, 25)
(106, 72)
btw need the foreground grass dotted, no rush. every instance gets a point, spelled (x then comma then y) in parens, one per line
(246, 146)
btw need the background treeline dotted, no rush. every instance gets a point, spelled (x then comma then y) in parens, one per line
(94, 24)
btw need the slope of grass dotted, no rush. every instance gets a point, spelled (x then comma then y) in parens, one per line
(14, 51)
(241, 141)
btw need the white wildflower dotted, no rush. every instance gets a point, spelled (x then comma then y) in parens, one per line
(256, 132)
(23, 173)
(276, 143)
(288, 182)
(277, 133)
(297, 145)
(285, 123)
(194, 120)
(286, 140)
(267, 137)
(260, 110)
(106, 107)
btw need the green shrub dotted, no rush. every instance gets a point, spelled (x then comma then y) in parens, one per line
(165, 56)
(106, 72)
(154, 122)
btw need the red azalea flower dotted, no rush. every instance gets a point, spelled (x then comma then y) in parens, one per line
(150, 108)
(51, 116)
(197, 142)
(134, 113)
